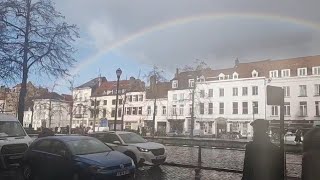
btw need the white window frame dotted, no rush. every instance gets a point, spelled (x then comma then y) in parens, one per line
(174, 110)
(303, 109)
(317, 90)
(286, 90)
(181, 96)
(201, 79)
(285, 73)
(317, 106)
(181, 110)
(164, 110)
(254, 73)
(174, 97)
(210, 109)
(235, 75)
(191, 82)
(302, 92)
(210, 94)
(221, 76)
(235, 110)
(255, 90)
(275, 110)
(274, 74)
(244, 91)
(316, 70)
(300, 70)
(149, 110)
(175, 84)
(287, 109)
(221, 91)
(235, 91)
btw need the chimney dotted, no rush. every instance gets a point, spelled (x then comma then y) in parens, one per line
(177, 72)
(236, 62)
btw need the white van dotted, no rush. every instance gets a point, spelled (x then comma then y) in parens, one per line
(14, 141)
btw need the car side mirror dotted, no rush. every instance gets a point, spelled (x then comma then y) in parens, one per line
(116, 142)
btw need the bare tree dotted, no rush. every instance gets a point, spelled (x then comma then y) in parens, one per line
(34, 38)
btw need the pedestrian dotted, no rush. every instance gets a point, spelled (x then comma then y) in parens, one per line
(311, 155)
(262, 158)
(298, 136)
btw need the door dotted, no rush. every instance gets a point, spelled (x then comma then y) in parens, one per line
(60, 159)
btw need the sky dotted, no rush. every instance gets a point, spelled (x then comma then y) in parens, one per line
(135, 35)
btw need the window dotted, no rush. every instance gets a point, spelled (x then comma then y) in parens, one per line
(104, 113)
(254, 73)
(255, 107)
(274, 110)
(190, 109)
(149, 110)
(113, 112)
(134, 111)
(105, 102)
(129, 98)
(235, 75)
(235, 108)
(140, 110)
(303, 90)
(201, 79)
(287, 109)
(285, 73)
(134, 98)
(316, 70)
(255, 90)
(113, 102)
(235, 91)
(317, 89)
(273, 74)
(174, 97)
(119, 112)
(164, 110)
(201, 108)
(244, 107)
(302, 71)
(181, 110)
(210, 108)
(175, 84)
(191, 82)
(174, 110)
(129, 110)
(303, 108)
(202, 93)
(120, 101)
(221, 92)
(110, 138)
(317, 103)
(244, 91)
(221, 108)
(286, 90)
(221, 76)
(140, 97)
(58, 148)
(181, 96)
(210, 92)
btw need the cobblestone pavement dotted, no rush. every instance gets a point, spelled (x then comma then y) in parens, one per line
(222, 158)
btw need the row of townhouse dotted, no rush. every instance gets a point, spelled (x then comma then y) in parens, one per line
(225, 100)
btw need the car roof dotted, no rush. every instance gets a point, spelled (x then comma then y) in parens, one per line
(7, 117)
(67, 138)
(112, 132)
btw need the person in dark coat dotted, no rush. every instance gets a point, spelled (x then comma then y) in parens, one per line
(311, 155)
(262, 158)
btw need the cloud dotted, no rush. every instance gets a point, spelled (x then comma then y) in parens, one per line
(219, 42)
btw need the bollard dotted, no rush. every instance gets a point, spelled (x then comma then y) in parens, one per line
(198, 169)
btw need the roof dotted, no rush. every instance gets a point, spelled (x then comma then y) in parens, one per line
(160, 91)
(50, 95)
(6, 117)
(92, 83)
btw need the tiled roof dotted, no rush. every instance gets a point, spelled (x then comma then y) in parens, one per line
(92, 83)
(161, 90)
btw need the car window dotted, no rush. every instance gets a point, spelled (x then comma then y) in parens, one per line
(58, 148)
(87, 146)
(43, 145)
(110, 138)
(132, 138)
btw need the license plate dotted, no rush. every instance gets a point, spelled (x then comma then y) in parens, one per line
(160, 157)
(122, 173)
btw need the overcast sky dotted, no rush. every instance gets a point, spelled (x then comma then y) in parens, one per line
(137, 34)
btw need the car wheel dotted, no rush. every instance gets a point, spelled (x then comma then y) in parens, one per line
(133, 157)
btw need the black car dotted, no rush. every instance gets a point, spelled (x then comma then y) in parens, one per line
(74, 158)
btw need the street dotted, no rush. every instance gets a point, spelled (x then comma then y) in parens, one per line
(215, 158)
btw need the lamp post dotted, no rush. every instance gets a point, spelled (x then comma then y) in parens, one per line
(118, 72)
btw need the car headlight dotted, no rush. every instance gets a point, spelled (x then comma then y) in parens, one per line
(143, 149)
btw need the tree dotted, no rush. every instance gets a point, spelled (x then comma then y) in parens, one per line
(34, 38)
(155, 76)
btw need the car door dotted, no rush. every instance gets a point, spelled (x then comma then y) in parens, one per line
(38, 157)
(113, 141)
(60, 159)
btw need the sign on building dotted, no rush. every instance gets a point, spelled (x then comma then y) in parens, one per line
(275, 95)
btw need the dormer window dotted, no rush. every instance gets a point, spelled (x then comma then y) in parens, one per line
(221, 76)
(175, 84)
(191, 82)
(273, 74)
(201, 79)
(235, 75)
(285, 73)
(254, 73)
(316, 70)
(227, 77)
(302, 72)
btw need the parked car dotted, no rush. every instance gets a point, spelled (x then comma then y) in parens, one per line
(14, 141)
(134, 146)
(74, 158)
(290, 137)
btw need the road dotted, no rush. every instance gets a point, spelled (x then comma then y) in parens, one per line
(216, 158)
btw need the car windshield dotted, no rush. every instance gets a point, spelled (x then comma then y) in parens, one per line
(11, 129)
(87, 146)
(130, 138)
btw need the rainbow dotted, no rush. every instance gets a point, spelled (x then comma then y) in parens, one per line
(187, 20)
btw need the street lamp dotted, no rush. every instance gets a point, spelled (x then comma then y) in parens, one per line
(118, 72)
